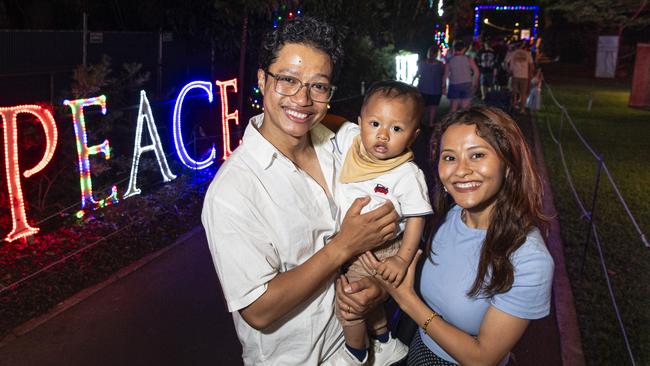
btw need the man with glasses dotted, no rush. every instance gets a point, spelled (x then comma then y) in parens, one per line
(271, 221)
(290, 86)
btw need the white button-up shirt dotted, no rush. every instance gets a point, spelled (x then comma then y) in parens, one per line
(263, 216)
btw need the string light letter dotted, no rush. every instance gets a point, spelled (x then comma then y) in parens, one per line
(178, 136)
(20, 227)
(84, 151)
(225, 116)
(144, 113)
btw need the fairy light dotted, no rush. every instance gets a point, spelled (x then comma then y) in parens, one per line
(282, 13)
(479, 8)
(441, 39)
(20, 226)
(178, 136)
(256, 98)
(84, 151)
(225, 116)
(145, 114)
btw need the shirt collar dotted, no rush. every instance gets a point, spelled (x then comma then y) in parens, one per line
(265, 153)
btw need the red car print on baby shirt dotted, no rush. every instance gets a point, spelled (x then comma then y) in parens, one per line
(381, 189)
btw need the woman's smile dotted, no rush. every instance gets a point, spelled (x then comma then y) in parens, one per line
(471, 170)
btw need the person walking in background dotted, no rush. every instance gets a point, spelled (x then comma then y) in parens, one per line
(472, 51)
(463, 75)
(520, 64)
(487, 65)
(430, 83)
(501, 50)
(534, 101)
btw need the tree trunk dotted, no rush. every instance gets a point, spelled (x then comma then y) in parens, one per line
(621, 28)
(242, 65)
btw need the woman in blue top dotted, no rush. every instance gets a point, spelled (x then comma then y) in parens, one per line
(488, 272)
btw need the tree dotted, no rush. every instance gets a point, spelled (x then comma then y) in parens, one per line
(374, 31)
(224, 24)
(604, 15)
(586, 19)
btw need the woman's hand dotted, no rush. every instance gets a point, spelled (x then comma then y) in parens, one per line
(406, 289)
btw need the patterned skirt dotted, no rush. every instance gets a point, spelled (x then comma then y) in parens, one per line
(421, 355)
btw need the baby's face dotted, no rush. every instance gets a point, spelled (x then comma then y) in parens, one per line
(388, 125)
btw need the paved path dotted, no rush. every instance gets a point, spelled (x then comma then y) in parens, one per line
(170, 312)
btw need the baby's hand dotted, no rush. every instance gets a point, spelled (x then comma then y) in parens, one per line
(393, 269)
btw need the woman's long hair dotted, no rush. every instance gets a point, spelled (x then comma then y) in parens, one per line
(518, 204)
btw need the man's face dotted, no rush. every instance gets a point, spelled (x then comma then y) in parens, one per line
(388, 126)
(294, 115)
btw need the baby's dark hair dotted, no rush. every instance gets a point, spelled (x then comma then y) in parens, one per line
(307, 31)
(397, 89)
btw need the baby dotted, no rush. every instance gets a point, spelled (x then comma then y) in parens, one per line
(377, 163)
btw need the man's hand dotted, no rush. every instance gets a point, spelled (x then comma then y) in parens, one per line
(356, 299)
(360, 233)
(393, 269)
(406, 290)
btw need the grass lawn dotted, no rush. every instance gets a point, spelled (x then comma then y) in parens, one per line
(622, 136)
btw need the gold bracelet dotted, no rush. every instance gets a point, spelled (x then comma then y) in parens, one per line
(426, 323)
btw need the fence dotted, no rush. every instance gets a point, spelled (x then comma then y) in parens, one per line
(37, 65)
(589, 212)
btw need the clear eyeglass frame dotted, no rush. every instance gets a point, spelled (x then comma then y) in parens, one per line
(314, 94)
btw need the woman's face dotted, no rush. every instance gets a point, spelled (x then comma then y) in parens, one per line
(470, 168)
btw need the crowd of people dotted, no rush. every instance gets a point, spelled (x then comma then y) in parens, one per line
(311, 230)
(501, 74)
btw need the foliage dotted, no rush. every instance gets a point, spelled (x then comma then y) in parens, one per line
(219, 21)
(90, 80)
(603, 14)
(374, 31)
(460, 14)
(406, 24)
(120, 90)
(619, 133)
(364, 62)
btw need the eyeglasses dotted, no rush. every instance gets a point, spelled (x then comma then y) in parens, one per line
(290, 86)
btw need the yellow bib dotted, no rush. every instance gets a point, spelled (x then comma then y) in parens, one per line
(360, 166)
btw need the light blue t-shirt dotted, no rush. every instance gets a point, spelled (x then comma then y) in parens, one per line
(444, 285)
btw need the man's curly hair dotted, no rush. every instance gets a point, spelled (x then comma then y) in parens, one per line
(303, 30)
